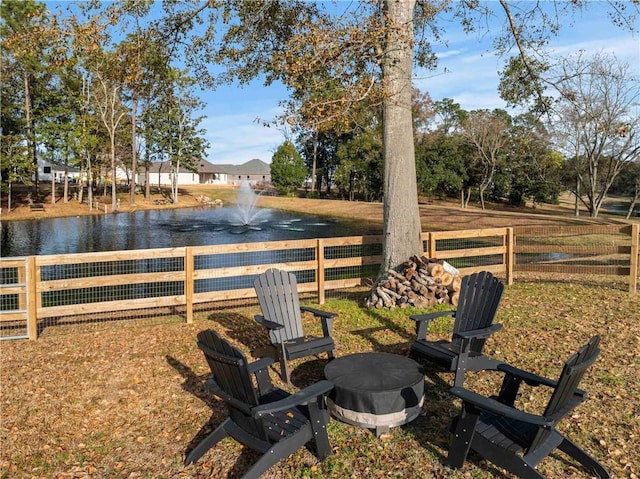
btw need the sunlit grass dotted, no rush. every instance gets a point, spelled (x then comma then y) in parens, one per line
(127, 400)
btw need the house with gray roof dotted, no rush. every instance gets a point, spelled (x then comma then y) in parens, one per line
(256, 172)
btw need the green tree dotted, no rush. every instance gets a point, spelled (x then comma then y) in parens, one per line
(440, 164)
(287, 168)
(16, 167)
(450, 115)
(359, 173)
(533, 168)
(320, 148)
(627, 184)
(25, 32)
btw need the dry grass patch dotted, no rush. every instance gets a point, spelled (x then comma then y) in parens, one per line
(126, 400)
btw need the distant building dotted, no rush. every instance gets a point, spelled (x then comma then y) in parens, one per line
(48, 171)
(254, 171)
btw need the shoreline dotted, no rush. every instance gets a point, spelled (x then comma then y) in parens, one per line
(435, 214)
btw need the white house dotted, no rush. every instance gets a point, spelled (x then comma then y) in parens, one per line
(48, 171)
(254, 171)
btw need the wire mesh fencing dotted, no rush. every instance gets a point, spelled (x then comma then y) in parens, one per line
(183, 284)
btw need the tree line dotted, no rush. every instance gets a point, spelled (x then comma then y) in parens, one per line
(491, 155)
(93, 89)
(99, 85)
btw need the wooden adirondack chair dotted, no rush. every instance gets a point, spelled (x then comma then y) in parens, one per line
(262, 417)
(480, 295)
(516, 440)
(281, 314)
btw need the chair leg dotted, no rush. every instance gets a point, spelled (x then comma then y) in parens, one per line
(573, 450)
(318, 418)
(208, 442)
(284, 370)
(462, 436)
(276, 453)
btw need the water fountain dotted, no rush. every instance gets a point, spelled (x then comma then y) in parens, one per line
(246, 211)
(164, 229)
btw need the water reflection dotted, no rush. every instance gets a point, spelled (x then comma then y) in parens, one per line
(156, 229)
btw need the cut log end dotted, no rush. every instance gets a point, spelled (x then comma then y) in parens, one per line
(420, 282)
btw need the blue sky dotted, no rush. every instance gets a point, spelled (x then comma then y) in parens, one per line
(467, 73)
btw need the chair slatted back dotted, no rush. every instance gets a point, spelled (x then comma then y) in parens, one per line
(480, 295)
(563, 397)
(229, 367)
(278, 296)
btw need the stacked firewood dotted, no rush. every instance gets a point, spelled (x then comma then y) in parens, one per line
(420, 282)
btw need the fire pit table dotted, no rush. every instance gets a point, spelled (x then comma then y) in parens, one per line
(375, 390)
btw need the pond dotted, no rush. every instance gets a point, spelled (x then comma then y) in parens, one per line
(160, 229)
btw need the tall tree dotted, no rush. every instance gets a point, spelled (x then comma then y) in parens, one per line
(360, 172)
(24, 28)
(287, 168)
(597, 119)
(362, 45)
(486, 131)
(107, 93)
(533, 168)
(137, 78)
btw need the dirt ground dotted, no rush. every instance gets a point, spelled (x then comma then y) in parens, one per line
(436, 215)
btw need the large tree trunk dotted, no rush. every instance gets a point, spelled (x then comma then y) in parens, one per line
(401, 214)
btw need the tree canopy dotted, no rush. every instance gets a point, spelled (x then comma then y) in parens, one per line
(348, 68)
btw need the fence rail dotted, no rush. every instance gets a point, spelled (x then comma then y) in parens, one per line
(38, 288)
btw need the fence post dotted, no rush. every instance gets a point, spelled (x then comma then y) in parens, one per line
(320, 270)
(188, 283)
(635, 258)
(510, 256)
(32, 298)
(432, 244)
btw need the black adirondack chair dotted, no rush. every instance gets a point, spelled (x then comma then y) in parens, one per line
(516, 440)
(262, 417)
(480, 295)
(281, 314)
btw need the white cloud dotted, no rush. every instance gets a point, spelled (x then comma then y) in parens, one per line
(235, 120)
(468, 72)
(238, 138)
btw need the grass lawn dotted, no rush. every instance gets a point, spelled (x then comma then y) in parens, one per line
(126, 400)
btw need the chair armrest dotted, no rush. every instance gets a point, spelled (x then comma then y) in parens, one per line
(530, 378)
(266, 323)
(431, 316)
(479, 333)
(317, 312)
(325, 317)
(261, 363)
(423, 320)
(496, 407)
(304, 396)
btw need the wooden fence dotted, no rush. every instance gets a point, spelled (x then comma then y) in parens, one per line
(36, 288)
